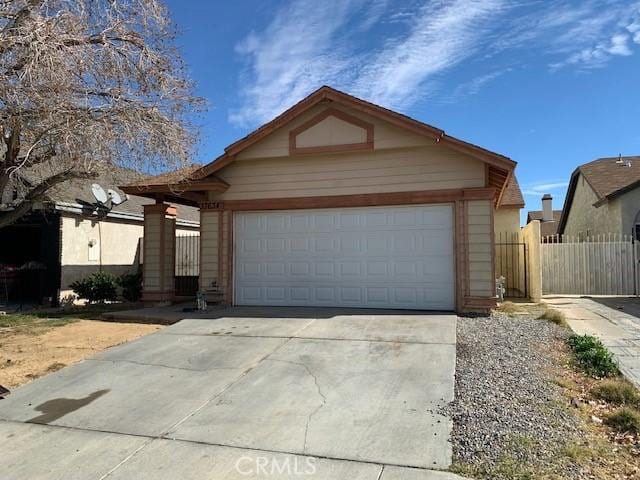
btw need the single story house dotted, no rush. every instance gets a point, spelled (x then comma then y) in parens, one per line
(603, 198)
(66, 239)
(338, 202)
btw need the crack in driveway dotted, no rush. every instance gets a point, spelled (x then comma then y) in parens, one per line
(319, 390)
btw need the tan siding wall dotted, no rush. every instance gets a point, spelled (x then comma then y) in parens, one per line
(385, 135)
(481, 281)
(425, 168)
(226, 260)
(209, 248)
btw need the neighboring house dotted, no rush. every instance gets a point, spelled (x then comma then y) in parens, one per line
(603, 198)
(507, 217)
(339, 202)
(65, 240)
(549, 219)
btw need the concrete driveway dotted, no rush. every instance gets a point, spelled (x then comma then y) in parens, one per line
(337, 397)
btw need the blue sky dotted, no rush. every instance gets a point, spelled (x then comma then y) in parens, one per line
(550, 83)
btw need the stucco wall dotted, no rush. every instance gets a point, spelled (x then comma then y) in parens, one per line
(629, 206)
(116, 242)
(531, 237)
(584, 216)
(506, 220)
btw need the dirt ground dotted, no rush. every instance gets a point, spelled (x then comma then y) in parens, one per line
(25, 356)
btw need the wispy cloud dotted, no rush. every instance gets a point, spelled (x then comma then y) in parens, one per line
(473, 86)
(443, 34)
(296, 53)
(540, 188)
(396, 54)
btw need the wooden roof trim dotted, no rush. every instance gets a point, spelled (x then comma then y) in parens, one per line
(504, 188)
(395, 118)
(216, 184)
(568, 199)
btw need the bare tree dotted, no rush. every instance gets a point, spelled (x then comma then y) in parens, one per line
(86, 85)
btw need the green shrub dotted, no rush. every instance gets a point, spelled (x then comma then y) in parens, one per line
(619, 392)
(99, 287)
(131, 284)
(624, 420)
(593, 356)
(554, 316)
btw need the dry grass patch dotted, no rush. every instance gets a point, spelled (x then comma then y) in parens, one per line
(617, 392)
(31, 347)
(609, 448)
(624, 420)
(30, 324)
(554, 316)
(509, 308)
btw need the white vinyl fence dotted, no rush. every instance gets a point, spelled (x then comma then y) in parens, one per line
(598, 265)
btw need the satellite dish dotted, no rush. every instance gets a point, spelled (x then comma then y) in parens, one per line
(99, 193)
(115, 196)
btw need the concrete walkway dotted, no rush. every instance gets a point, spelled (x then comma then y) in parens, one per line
(615, 321)
(347, 396)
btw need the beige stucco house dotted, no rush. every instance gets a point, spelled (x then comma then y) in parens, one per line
(339, 202)
(603, 198)
(66, 239)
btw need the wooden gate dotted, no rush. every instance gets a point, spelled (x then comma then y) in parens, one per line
(598, 265)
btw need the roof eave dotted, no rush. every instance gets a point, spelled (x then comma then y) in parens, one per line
(184, 193)
(568, 199)
(398, 119)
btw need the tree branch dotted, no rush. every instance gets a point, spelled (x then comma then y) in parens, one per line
(36, 194)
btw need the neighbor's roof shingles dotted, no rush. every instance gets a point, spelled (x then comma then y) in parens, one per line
(512, 196)
(75, 190)
(607, 178)
(546, 228)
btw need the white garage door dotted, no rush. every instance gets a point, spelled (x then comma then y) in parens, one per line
(378, 257)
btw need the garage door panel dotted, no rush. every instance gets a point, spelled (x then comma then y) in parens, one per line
(349, 296)
(383, 257)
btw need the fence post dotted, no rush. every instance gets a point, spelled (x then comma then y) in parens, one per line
(531, 237)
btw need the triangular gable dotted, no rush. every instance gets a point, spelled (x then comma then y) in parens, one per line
(499, 167)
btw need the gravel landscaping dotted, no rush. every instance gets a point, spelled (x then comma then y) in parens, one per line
(510, 417)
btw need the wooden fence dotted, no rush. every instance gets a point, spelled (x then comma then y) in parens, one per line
(598, 265)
